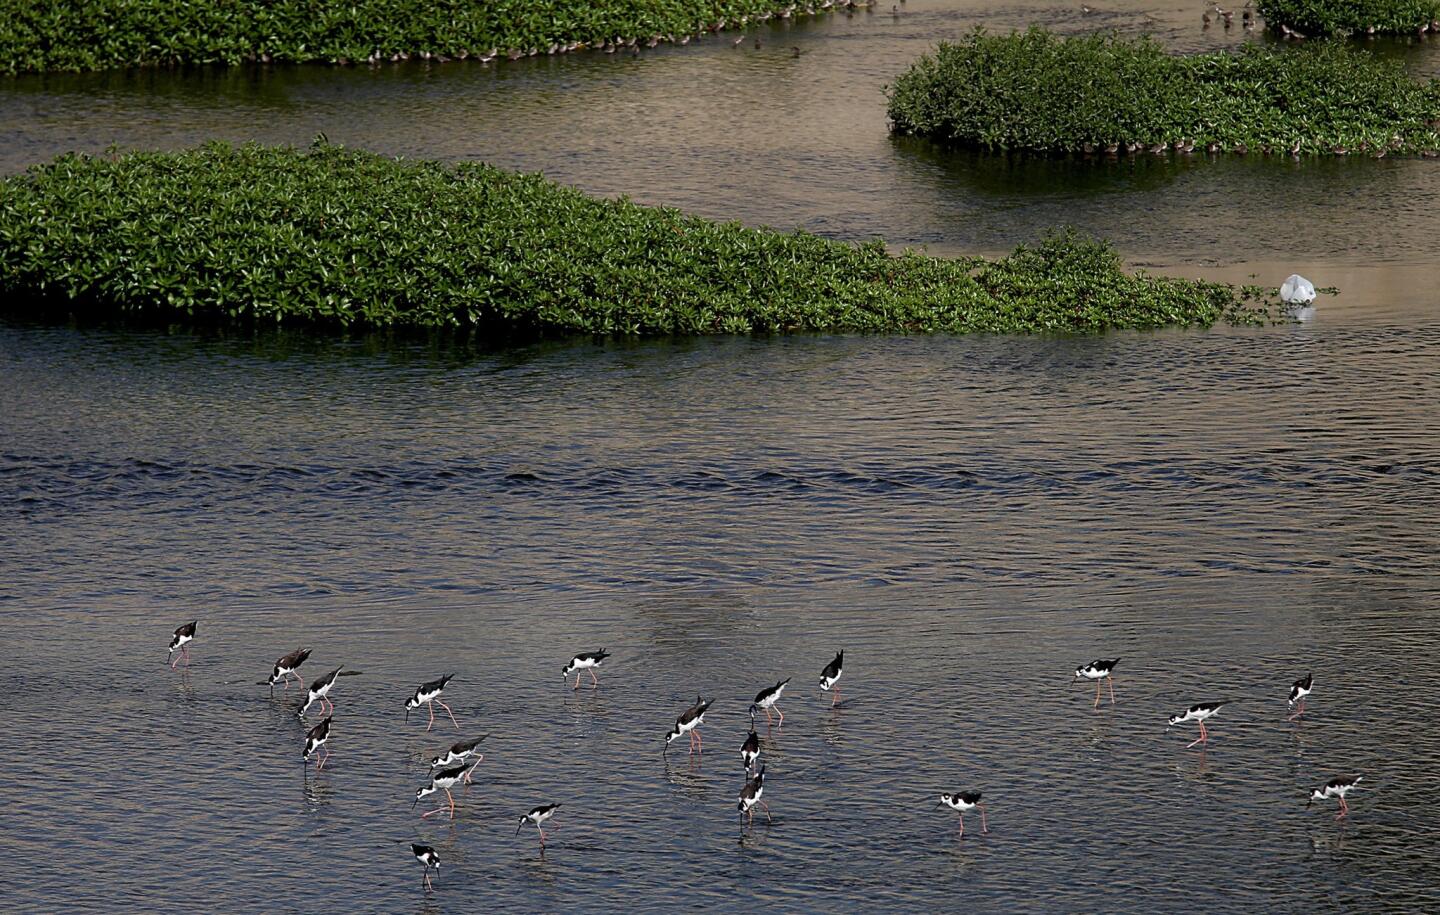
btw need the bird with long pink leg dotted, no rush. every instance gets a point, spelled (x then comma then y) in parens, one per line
(689, 723)
(964, 802)
(1336, 788)
(1197, 714)
(538, 816)
(428, 694)
(184, 635)
(444, 780)
(1298, 691)
(315, 740)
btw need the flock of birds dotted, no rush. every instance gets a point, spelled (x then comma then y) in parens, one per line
(456, 765)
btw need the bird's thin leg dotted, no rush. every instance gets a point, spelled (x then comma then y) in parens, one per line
(542, 834)
(1097, 695)
(768, 818)
(768, 719)
(577, 680)
(451, 798)
(699, 741)
(432, 813)
(594, 682)
(427, 880)
(431, 707)
(1111, 681)
(450, 713)
(984, 826)
(962, 824)
(173, 660)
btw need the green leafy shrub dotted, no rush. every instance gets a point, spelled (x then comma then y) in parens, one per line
(1036, 91)
(40, 35)
(1347, 17)
(337, 237)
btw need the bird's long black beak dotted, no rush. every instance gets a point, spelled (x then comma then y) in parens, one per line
(518, 828)
(407, 714)
(413, 803)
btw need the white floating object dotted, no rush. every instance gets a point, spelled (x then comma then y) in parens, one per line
(1296, 290)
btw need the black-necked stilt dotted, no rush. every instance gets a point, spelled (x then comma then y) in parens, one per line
(830, 677)
(689, 723)
(320, 690)
(285, 668)
(1198, 714)
(538, 816)
(1098, 670)
(183, 636)
(315, 739)
(587, 661)
(750, 796)
(767, 698)
(964, 801)
(1337, 788)
(428, 857)
(428, 694)
(1298, 692)
(444, 780)
(459, 752)
(750, 749)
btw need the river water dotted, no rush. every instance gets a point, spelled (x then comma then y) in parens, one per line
(968, 518)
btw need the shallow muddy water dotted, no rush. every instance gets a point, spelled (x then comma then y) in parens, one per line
(968, 518)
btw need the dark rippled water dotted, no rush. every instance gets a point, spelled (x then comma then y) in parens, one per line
(968, 518)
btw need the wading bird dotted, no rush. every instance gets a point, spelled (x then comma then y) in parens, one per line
(588, 662)
(285, 669)
(428, 694)
(1198, 714)
(767, 699)
(320, 691)
(315, 740)
(750, 749)
(1298, 692)
(689, 723)
(964, 801)
(444, 780)
(428, 857)
(1336, 788)
(538, 816)
(183, 636)
(1098, 670)
(750, 797)
(459, 752)
(830, 677)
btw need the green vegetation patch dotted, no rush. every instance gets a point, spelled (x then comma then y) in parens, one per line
(1352, 17)
(40, 35)
(339, 237)
(1036, 91)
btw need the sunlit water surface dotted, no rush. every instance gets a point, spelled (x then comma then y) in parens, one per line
(968, 518)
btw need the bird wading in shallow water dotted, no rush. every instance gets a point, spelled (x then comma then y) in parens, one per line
(830, 677)
(750, 797)
(428, 694)
(1197, 714)
(964, 801)
(184, 635)
(444, 780)
(460, 752)
(1336, 788)
(1298, 691)
(587, 662)
(320, 692)
(286, 667)
(750, 749)
(315, 740)
(428, 857)
(1097, 671)
(689, 723)
(538, 816)
(767, 699)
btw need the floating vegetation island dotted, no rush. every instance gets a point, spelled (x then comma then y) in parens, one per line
(38, 35)
(1101, 94)
(1352, 17)
(335, 237)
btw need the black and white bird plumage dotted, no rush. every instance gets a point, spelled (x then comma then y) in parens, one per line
(750, 750)
(1298, 691)
(586, 661)
(428, 857)
(768, 698)
(319, 691)
(963, 802)
(751, 796)
(689, 723)
(1098, 670)
(538, 816)
(184, 635)
(429, 694)
(830, 677)
(443, 780)
(315, 739)
(1336, 788)
(460, 751)
(286, 667)
(1198, 714)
